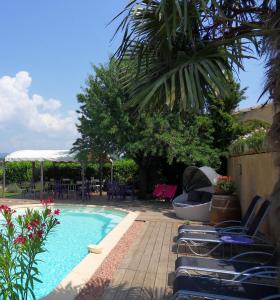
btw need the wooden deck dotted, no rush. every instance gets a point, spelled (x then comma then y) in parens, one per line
(148, 269)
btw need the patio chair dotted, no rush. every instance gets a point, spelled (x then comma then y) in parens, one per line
(186, 287)
(225, 224)
(232, 267)
(113, 190)
(158, 190)
(227, 237)
(164, 191)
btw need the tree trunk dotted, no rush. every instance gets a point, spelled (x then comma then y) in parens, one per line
(100, 178)
(143, 181)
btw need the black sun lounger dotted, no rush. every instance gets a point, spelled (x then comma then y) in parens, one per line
(241, 225)
(224, 268)
(185, 287)
(248, 238)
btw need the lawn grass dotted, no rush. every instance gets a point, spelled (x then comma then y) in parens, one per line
(10, 195)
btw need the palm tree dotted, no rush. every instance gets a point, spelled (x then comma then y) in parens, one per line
(272, 86)
(185, 49)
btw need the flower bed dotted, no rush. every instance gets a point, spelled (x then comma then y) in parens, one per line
(253, 142)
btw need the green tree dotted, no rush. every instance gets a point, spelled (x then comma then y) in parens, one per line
(102, 120)
(108, 129)
(225, 122)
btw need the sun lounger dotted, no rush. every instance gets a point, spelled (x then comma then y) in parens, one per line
(226, 224)
(247, 238)
(186, 287)
(232, 267)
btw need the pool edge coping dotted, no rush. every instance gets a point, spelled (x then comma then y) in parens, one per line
(77, 278)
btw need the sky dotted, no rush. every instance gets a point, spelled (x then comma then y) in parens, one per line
(47, 49)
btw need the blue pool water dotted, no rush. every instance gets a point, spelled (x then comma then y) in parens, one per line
(67, 246)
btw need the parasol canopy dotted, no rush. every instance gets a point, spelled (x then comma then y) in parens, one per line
(42, 155)
(195, 178)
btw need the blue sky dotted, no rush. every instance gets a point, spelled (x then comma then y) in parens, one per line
(46, 52)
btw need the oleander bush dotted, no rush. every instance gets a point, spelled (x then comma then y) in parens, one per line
(22, 239)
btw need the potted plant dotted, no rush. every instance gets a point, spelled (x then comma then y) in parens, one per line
(225, 205)
(224, 186)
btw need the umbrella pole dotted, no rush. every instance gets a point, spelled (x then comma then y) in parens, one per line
(4, 180)
(112, 168)
(83, 183)
(42, 180)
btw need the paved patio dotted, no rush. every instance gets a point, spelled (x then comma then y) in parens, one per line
(148, 269)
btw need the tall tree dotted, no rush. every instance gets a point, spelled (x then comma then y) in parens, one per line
(107, 128)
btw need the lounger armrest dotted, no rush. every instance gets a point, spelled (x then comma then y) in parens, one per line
(237, 229)
(262, 238)
(249, 253)
(227, 222)
(260, 271)
(276, 296)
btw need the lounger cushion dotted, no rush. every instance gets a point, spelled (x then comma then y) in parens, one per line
(199, 237)
(222, 289)
(204, 228)
(213, 265)
(199, 197)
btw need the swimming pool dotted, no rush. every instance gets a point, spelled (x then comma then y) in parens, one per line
(67, 245)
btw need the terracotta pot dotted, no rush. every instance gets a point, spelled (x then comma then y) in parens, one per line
(223, 208)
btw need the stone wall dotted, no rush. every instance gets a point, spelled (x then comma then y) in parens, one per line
(253, 174)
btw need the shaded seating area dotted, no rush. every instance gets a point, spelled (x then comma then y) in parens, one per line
(204, 244)
(212, 288)
(247, 275)
(119, 191)
(225, 225)
(62, 188)
(194, 203)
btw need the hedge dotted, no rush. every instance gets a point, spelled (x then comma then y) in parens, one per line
(124, 171)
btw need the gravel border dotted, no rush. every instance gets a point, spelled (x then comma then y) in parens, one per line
(101, 279)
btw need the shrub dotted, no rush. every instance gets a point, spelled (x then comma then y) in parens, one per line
(253, 142)
(124, 171)
(22, 238)
(13, 188)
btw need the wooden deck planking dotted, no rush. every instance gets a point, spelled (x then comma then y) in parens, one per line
(161, 276)
(138, 243)
(171, 263)
(147, 270)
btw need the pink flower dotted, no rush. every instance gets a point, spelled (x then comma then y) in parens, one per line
(6, 209)
(31, 236)
(47, 202)
(20, 240)
(39, 233)
(32, 224)
(56, 211)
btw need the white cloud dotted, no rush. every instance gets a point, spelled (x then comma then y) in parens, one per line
(32, 113)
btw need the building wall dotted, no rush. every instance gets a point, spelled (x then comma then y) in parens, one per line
(253, 174)
(257, 113)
